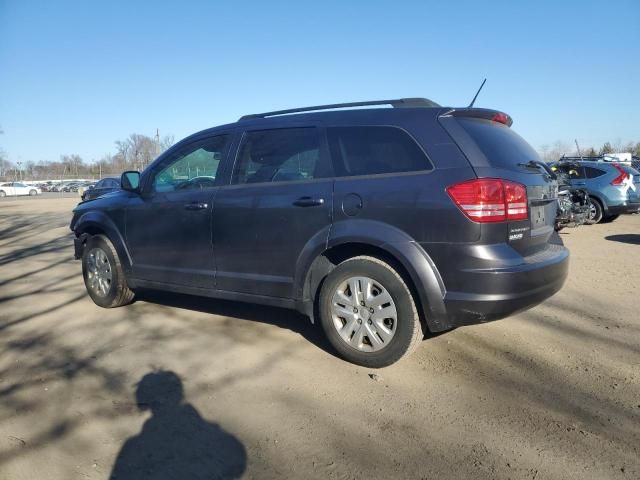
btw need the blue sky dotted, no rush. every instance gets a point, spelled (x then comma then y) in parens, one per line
(76, 76)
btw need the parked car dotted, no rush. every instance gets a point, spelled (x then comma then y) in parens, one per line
(71, 186)
(380, 223)
(106, 185)
(18, 188)
(610, 187)
(60, 187)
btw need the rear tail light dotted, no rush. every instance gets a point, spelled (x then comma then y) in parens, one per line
(622, 175)
(487, 200)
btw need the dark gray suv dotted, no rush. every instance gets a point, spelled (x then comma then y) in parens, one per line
(382, 224)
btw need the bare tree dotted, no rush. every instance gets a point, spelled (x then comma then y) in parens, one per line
(166, 142)
(606, 149)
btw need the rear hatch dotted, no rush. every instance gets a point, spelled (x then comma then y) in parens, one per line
(495, 151)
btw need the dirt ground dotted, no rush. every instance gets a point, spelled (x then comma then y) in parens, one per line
(227, 389)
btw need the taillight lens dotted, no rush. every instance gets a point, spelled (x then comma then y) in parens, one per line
(487, 200)
(501, 118)
(622, 175)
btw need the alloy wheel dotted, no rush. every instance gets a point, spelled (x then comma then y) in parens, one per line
(364, 314)
(99, 274)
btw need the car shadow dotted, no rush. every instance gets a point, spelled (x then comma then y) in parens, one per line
(279, 317)
(176, 442)
(632, 238)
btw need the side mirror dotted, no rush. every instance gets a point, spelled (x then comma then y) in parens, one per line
(130, 181)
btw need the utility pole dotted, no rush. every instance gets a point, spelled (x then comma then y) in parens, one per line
(157, 142)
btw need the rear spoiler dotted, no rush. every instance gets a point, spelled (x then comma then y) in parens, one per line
(487, 114)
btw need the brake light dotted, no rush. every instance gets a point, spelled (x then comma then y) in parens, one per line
(621, 176)
(501, 118)
(487, 200)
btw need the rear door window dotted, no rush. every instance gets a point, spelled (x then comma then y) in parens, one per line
(279, 155)
(592, 172)
(374, 150)
(503, 147)
(572, 171)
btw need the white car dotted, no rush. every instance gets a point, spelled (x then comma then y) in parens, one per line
(17, 188)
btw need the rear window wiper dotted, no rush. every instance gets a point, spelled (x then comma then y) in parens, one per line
(535, 165)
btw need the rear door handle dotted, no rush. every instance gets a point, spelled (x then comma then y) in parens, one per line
(308, 202)
(580, 183)
(195, 206)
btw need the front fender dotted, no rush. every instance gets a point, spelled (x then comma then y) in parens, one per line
(97, 221)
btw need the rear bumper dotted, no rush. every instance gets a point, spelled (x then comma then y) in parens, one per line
(504, 291)
(623, 208)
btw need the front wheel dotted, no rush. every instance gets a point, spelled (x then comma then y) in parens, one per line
(2, 193)
(103, 274)
(33, 193)
(368, 314)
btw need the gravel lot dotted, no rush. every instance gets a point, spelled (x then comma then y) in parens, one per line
(550, 393)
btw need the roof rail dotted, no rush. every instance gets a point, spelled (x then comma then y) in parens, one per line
(398, 103)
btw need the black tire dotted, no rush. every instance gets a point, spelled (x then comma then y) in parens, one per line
(596, 214)
(609, 218)
(33, 193)
(408, 328)
(118, 292)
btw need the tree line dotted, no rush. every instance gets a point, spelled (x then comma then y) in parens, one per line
(132, 153)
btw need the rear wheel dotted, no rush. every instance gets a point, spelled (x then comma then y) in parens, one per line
(595, 211)
(33, 192)
(368, 314)
(103, 274)
(3, 193)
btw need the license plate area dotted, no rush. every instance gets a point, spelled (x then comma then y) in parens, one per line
(538, 217)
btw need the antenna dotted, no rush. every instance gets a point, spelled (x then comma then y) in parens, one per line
(474, 98)
(578, 147)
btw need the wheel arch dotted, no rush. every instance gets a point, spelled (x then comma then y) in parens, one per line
(387, 244)
(98, 223)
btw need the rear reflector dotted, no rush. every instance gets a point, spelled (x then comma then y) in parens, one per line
(622, 176)
(486, 200)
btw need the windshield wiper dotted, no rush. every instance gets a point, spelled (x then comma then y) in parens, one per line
(536, 165)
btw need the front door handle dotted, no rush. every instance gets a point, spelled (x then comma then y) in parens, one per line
(195, 206)
(308, 202)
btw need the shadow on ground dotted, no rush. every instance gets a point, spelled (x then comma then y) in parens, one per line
(632, 238)
(176, 442)
(279, 317)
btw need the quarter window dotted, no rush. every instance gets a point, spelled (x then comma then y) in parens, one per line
(374, 150)
(193, 168)
(281, 155)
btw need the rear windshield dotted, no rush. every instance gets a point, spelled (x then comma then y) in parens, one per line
(502, 146)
